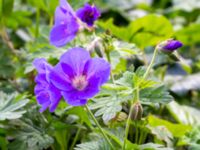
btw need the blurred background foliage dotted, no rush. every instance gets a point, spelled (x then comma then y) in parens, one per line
(129, 29)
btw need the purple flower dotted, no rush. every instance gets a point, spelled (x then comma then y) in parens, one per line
(78, 76)
(47, 94)
(88, 14)
(170, 45)
(66, 25)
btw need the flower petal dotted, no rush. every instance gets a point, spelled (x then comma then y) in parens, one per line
(88, 14)
(55, 97)
(40, 87)
(61, 35)
(66, 6)
(74, 102)
(41, 78)
(67, 70)
(98, 67)
(39, 64)
(60, 16)
(91, 90)
(43, 97)
(59, 79)
(76, 58)
(44, 107)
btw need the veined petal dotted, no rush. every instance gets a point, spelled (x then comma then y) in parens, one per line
(43, 69)
(88, 14)
(40, 64)
(41, 79)
(60, 35)
(44, 107)
(59, 79)
(67, 70)
(76, 58)
(43, 97)
(74, 102)
(97, 67)
(64, 13)
(55, 97)
(40, 87)
(66, 6)
(60, 16)
(91, 90)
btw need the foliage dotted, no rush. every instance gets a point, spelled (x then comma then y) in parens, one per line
(10, 106)
(125, 36)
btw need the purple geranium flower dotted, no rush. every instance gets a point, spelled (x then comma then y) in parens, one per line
(66, 25)
(47, 94)
(88, 14)
(170, 45)
(78, 76)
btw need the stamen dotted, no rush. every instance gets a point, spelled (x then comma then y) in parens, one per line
(80, 82)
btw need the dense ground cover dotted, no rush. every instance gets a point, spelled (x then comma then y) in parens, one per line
(100, 75)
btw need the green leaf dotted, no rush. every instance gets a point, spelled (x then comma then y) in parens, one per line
(186, 84)
(184, 114)
(3, 140)
(140, 82)
(153, 146)
(131, 146)
(162, 133)
(80, 112)
(77, 3)
(94, 145)
(189, 35)
(30, 132)
(33, 141)
(7, 7)
(126, 79)
(177, 130)
(11, 106)
(155, 95)
(18, 19)
(107, 107)
(140, 31)
(125, 49)
(191, 139)
(108, 103)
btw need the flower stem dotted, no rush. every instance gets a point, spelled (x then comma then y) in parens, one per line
(76, 137)
(37, 22)
(151, 64)
(127, 127)
(136, 99)
(98, 125)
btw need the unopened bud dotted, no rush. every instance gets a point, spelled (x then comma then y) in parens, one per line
(169, 46)
(137, 111)
(96, 45)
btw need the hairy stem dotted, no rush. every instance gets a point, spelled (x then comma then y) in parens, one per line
(127, 127)
(76, 137)
(151, 64)
(98, 125)
(7, 41)
(136, 98)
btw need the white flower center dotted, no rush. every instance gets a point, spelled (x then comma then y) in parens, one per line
(79, 82)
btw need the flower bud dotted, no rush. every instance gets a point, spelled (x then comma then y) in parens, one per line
(137, 111)
(169, 45)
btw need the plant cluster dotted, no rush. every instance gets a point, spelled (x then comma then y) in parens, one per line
(83, 77)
